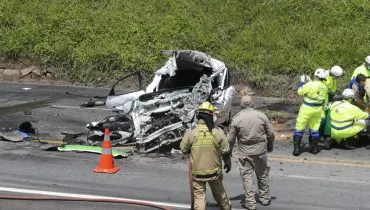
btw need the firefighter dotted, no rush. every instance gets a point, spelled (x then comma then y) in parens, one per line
(347, 120)
(207, 145)
(255, 138)
(315, 98)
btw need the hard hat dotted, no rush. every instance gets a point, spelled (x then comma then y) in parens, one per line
(246, 101)
(320, 73)
(348, 93)
(367, 61)
(206, 107)
(336, 71)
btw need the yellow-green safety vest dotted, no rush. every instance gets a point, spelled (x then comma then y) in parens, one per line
(344, 116)
(361, 70)
(315, 93)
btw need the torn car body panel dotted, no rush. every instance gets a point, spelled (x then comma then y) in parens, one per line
(162, 113)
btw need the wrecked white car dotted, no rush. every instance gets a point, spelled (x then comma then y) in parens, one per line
(159, 115)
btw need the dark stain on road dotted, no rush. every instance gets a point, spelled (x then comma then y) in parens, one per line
(24, 106)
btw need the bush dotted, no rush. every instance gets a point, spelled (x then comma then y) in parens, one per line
(259, 40)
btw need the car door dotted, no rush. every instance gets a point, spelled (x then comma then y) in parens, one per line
(125, 92)
(224, 101)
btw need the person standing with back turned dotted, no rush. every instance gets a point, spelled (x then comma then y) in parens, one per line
(207, 144)
(255, 137)
(315, 99)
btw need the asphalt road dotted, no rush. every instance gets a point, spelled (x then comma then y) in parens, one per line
(335, 179)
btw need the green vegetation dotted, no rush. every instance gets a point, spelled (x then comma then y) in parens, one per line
(264, 41)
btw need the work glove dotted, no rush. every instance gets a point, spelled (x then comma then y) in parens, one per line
(227, 163)
(327, 106)
(270, 148)
(308, 78)
(303, 80)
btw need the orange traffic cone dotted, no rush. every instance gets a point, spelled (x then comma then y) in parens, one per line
(106, 163)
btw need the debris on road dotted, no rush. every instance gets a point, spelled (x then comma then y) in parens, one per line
(94, 149)
(24, 106)
(159, 115)
(26, 127)
(13, 136)
(24, 131)
(93, 102)
(70, 142)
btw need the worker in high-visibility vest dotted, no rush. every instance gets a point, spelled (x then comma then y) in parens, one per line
(333, 75)
(347, 120)
(315, 98)
(363, 69)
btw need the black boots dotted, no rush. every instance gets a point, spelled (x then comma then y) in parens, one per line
(348, 144)
(314, 144)
(297, 145)
(328, 143)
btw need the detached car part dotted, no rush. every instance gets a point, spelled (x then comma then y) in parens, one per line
(93, 149)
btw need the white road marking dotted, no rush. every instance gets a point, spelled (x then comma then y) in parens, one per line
(321, 161)
(26, 88)
(326, 179)
(77, 107)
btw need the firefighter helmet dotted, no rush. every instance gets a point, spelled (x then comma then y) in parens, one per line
(206, 107)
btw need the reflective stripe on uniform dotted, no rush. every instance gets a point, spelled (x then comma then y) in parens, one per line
(341, 121)
(342, 127)
(311, 104)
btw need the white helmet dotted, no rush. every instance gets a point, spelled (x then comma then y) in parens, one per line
(348, 93)
(336, 71)
(367, 61)
(320, 73)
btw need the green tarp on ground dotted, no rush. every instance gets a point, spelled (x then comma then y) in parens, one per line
(93, 149)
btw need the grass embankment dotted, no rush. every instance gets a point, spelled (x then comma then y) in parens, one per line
(265, 42)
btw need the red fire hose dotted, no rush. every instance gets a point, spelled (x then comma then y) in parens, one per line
(139, 203)
(190, 171)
